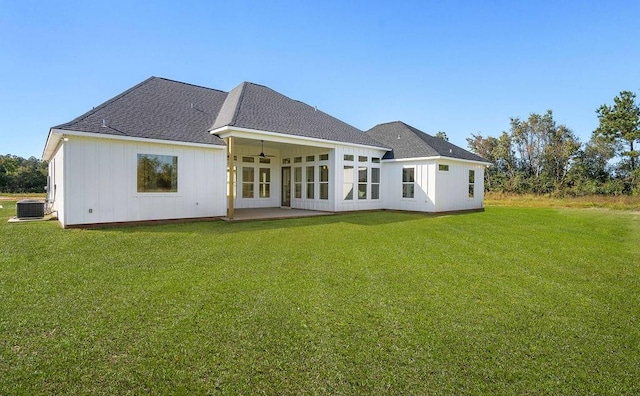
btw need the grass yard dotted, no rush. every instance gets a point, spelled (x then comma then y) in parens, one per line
(510, 301)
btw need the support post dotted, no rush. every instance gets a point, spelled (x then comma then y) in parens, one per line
(232, 189)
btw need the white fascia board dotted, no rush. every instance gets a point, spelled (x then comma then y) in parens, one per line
(51, 145)
(437, 157)
(256, 134)
(55, 135)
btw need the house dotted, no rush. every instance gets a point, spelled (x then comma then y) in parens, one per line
(169, 150)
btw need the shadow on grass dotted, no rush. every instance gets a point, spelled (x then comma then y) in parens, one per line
(370, 218)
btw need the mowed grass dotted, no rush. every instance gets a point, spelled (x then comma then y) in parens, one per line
(508, 301)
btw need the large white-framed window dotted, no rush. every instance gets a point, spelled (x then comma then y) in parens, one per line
(247, 181)
(472, 183)
(157, 173)
(310, 181)
(324, 182)
(408, 182)
(347, 188)
(375, 183)
(297, 182)
(264, 183)
(362, 181)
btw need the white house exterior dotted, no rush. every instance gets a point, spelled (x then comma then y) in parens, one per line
(163, 149)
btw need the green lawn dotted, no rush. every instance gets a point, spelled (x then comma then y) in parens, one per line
(508, 301)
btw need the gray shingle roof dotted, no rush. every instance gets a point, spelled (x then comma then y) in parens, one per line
(258, 107)
(409, 142)
(156, 108)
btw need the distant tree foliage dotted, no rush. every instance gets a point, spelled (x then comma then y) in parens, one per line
(442, 135)
(538, 156)
(20, 175)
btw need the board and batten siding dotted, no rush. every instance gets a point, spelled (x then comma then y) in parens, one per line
(424, 187)
(434, 190)
(452, 187)
(100, 182)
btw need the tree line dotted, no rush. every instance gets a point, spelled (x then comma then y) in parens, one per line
(20, 175)
(538, 156)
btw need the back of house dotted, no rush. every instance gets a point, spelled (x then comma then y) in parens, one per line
(166, 150)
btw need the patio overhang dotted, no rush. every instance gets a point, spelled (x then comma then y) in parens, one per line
(277, 137)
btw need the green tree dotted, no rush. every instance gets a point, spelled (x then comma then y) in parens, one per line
(442, 135)
(20, 175)
(562, 147)
(620, 126)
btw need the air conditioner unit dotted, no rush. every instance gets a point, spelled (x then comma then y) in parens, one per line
(30, 208)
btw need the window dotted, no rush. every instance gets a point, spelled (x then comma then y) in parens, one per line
(286, 161)
(311, 158)
(157, 173)
(375, 160)
(265, 160)
(375, 183)
(362, 158)
(362, 182)
(443, 167)
(247, 182)
(348, 157)
(297, 160)
(310, 181)
(347, 189)
(297, 182)
(408, 181)
(265, 182)
(248, 159)
(472, 182)
(324, 182)
(324, 157)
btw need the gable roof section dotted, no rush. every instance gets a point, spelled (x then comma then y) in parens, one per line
(257, 107)
(156, 108)
(409, 142)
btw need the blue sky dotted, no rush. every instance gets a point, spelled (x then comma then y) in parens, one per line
(461, 67)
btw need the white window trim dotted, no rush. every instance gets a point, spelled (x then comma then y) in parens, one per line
(402, 183)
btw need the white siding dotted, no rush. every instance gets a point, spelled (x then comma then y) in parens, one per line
(100, 182)
(435, 190)
(452, 187)
(424, 190)
(55, 195)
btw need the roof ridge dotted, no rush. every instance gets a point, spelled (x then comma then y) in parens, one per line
(387, 123)
(108, 102)
(239, 103)
(193, 85)
(256, 84)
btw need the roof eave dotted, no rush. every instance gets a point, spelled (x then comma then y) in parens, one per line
(231, 131)
(57, 134)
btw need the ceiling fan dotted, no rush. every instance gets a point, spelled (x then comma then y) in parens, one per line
(262, 154)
